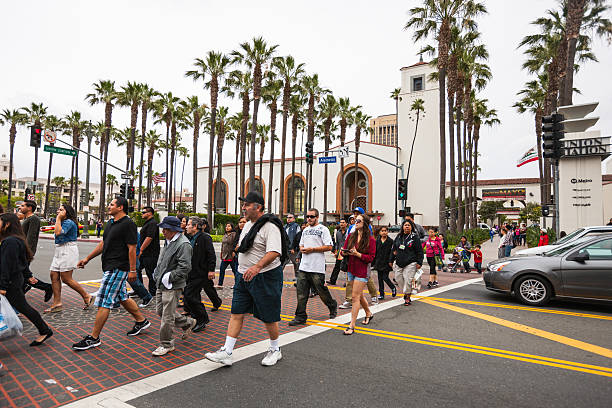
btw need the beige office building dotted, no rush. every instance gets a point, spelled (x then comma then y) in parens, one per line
(384, 130)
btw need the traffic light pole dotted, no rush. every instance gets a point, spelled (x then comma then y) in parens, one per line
(556, 187)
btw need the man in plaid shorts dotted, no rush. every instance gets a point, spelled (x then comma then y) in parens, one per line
(118, 249)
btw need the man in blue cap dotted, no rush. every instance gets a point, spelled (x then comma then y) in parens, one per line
(357, 211)
(173, 266)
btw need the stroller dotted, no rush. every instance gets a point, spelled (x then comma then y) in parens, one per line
(456, 259)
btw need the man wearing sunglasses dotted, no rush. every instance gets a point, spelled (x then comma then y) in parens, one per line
(315, 241)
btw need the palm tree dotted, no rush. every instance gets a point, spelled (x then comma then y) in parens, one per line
(271, 92)
(104, 93)
(417, 107)
(60, 183)
(13, 118)
(532, 100)
(254, 55)
(488, 117)
(328, 111)
(197, 112)
(241, 82)
(395, 95)
(215, 65)
(52, 123)
(165, 108)
(74, 126)
(182, 152)
(222, 129)
(130, 96)
(296, 105)
(289, 72)
(153, 142)
(360, 121)
(345, 112)
(262, 138)
(435, 18)
(35, 114)
(111, 181)
(147, 95)
(234, 123)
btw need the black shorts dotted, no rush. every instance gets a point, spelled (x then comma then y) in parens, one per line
(261, 296)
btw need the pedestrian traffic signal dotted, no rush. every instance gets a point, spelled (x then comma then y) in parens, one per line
(545, 211)
(309, 152)
(402, 189)
(35, 134)
(552, 133)
(402, 213)
(130, 193)
(122, 192)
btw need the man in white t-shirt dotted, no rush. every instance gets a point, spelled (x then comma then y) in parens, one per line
(315, 241)
(258, 287)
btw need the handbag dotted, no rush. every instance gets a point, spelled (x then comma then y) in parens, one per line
(344, 264)
(10, 325)
(438, 260)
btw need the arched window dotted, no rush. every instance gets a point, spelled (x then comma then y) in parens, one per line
(220, 200)
(295, 200)
(259, 186)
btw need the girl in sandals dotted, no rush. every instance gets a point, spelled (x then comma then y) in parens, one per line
(66, 258)
(360, 248)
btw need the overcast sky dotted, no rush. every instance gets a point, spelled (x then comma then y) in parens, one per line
(54, 50)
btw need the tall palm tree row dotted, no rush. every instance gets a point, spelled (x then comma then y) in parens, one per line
(73, 124)
(328, 110)
(12, 118)
(271, 92)
(52, 123)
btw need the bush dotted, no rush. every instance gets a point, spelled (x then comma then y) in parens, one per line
(220, 219)
(136, 216)
(474, 236)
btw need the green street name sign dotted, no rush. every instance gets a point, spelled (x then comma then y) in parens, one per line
(60, 150)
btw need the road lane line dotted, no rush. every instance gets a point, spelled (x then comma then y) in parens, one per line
(516, 307)
(602, 351)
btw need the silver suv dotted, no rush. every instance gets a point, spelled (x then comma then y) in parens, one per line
(579, 233)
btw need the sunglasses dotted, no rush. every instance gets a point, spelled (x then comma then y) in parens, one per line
(358, 222)
(311, 216)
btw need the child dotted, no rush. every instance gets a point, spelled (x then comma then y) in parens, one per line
(477, 258)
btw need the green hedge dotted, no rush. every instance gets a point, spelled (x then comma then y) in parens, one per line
(475, 235)
(136, 216)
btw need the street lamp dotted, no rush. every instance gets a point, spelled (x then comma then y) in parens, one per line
(89, 133)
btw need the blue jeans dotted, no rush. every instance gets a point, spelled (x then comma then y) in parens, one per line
(224, 265)
(508, 249)
(139, 287)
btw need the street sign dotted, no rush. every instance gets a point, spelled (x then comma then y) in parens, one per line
(60, 150)
(125, 176)
(50, 136)
(31, 197)
(343, 152)
(327, 159)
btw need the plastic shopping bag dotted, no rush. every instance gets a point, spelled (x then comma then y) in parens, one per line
(10, 325)
(416, 282)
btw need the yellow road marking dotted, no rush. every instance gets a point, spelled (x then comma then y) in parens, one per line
(516, 307)
(602, 351)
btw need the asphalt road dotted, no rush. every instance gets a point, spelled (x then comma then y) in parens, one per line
(477, 366)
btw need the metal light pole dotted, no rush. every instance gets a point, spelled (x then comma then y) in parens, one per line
(275, 199)
(89, 133)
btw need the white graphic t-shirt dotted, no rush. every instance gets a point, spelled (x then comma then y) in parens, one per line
(312, 237)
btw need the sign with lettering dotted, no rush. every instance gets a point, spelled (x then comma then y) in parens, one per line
(327, 159)
(597, 146)
(504, 194)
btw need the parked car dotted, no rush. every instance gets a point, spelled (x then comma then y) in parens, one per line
(580, 269)
(395, 228)
(483, 226)
(579, 233)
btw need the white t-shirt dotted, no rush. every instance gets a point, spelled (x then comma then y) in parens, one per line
(268, 239)
(312, 237)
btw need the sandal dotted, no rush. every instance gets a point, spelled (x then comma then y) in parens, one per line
(54, 309)
(89, 302)
(367, 320)
(349, 331)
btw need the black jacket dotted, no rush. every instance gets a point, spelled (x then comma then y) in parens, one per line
(383, 253)
(412, 250)
(13, 263)
(247, 241)
(203, 258)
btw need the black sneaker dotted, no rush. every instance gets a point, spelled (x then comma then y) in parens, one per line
(296, 322)
(333, 312)
(435, 283)
(87, 343)
(138, 327)
(430, 285)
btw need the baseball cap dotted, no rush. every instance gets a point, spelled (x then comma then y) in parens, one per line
(359, 210)
(253, 197)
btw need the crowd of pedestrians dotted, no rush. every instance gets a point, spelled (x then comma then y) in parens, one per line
(256, 250)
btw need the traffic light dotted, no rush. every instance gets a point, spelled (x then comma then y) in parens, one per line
(309, 152)
(35, 134)
(553, 132)
(122, 192)
(130, 193)
(402, 189)
(545, 211)
(402, 213)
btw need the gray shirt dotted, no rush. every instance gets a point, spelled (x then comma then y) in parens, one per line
(176, 259)
(31, 229)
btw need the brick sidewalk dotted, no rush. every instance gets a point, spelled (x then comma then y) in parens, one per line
(54, 374)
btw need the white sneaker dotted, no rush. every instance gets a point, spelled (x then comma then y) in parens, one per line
(272, 357)
(374, 300)
(161, 350)
(345, 305)
(220, 356)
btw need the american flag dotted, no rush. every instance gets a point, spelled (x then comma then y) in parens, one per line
(159, 178)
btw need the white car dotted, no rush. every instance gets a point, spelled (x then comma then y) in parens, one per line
(579, 233)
